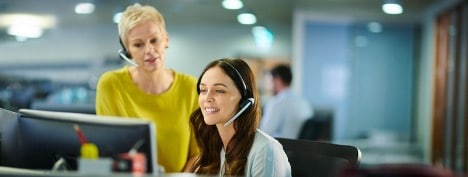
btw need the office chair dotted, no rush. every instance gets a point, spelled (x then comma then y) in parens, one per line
(319, 126)
(316, 130)
(319, 159)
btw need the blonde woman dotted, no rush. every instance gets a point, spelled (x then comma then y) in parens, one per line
(149, 90)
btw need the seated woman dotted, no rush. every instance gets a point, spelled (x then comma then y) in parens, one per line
(225, 125)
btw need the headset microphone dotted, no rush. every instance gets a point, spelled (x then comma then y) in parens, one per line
(124, 57)
(246, 104)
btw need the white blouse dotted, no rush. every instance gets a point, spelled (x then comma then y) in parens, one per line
(266, 158)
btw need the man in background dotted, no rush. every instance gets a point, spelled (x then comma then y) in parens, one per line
(285, 112)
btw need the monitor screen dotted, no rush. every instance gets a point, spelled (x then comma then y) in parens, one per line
(45, 136)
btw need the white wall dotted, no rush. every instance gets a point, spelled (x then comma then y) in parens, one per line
(190, 49)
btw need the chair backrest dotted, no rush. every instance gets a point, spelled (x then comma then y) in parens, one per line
(316, 130)
(319, 159)
(319, 126)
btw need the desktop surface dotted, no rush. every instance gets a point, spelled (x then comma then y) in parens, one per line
(21, 172)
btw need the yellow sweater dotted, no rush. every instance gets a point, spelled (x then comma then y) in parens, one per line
(117, 95)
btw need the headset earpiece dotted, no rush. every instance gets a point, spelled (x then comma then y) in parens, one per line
(124, 50)
(246, 103)
(242, 107)
(124, 55)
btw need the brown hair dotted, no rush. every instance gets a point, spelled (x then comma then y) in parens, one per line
(245, 126)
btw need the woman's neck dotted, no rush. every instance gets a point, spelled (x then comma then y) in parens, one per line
(155, 82)
(226, 133)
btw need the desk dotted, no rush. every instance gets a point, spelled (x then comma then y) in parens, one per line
(19, 172)
(387, 152)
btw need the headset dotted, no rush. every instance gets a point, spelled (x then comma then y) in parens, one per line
(124, 55)
(245, 103)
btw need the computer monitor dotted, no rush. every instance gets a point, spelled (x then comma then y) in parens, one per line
(8, 138)
(45, 136)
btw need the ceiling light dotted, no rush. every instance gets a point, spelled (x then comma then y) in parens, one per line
(263, 37)
(246, 18)
(392, 7)
(117, 17)
(44, 21)
(26, 25)
(232, 4)
(25, 30)
(84, 8)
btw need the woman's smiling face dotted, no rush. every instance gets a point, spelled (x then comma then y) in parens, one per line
(219, 97)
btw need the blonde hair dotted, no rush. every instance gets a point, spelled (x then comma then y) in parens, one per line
(136, 14)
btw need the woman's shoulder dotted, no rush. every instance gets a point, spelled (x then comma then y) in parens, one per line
(184, 76)
(114, 74)
(263, 140)
(185, 79)
(267, 157)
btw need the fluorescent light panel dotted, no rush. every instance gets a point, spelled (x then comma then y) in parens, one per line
(392, 7)
(25, 26)
(84, 8)
(232, 4)
(44, 21)
(117, 17)
(247, 18)
(25, 30)
(263, 37)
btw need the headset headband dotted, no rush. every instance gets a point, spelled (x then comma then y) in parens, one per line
(240, 76)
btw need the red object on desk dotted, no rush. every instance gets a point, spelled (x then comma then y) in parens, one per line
(80, 134)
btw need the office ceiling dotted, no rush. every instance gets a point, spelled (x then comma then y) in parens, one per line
(210, 12)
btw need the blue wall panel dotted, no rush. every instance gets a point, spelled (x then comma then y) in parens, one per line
(365, 77)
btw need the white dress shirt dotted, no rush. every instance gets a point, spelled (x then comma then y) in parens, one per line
(284, 115)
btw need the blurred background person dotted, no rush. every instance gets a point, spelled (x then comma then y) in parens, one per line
(226, 125)
(285, 112)
(149, 90)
